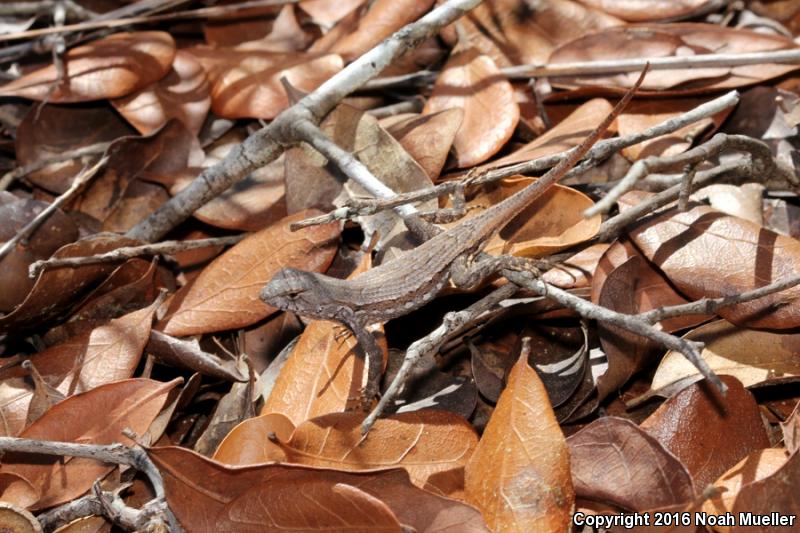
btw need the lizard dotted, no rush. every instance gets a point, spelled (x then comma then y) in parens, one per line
(408, 282)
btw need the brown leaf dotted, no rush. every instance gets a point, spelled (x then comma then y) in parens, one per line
(707, 432)
(526, 32)
(577, 271)
(250, 204)
(426, 138)
(551, 223)
(433, 446)
(225, 295)
(665, 40)
(614, 462)
(642, 114)
(105, 354)
(767, 497)
(696, 249)
(251, 441)
(472, 82)
(55, 232)
(205, 495)
(131, 403)
(383, 18)
(750, 356)
(57, 289)
(286, 35)
(246, 84)
(755, 467)
(51, 130)
(184, 93)
(203, 492)
(565, 135)
(107, 68)
(519, 475)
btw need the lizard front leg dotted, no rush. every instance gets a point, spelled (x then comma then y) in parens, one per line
(374, 360)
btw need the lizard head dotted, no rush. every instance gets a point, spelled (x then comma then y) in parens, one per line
(291, 290)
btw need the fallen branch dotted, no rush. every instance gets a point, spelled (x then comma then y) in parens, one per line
(19, 172)
(129, 252)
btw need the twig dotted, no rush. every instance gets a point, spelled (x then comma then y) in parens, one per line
(128, 252)
(612, 227)
(268, 143)
(707, 306)
(595, 68)
(633, 323)
(762, 159)
(79, 181)
(42, 6)
(81, 507)
(602, 150)
(451, 325)
(19, 172)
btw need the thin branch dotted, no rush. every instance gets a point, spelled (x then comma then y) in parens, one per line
(707, 306)
(617, 66)
(612, 227)
(19, 172)
(268, 143)
(762, 159)
(601, 151)
(129, 252)
(79, 181)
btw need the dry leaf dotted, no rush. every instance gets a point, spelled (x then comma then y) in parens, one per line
(776, 494)
(207, 495)
(184, 93)
(17, 520)
(647, 10)
(615, 462)
(433, 446)
(472, 82)
(578, 270)
(383, 18)
(551, 223)
(107, 68)
(426, 138)
(791, 430)
(225, 295)
(705, 253)
(750, 356)
(519, 475)
(246, 84)
(707, 432)
(132, 403)
(251, 441)
(755, 467)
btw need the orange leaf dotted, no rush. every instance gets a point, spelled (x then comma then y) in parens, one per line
(471, 81)
(107, 68)
(433, 446)
(771, 496)
(519, 476)
(94, 417)
(225, 295)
